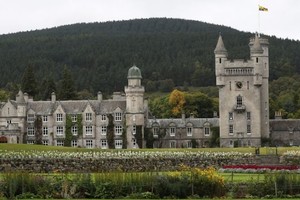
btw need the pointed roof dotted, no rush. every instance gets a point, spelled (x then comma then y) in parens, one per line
(20, 97)
(256, 48)
(220, 48)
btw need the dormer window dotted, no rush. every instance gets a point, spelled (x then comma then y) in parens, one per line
(88, 117)
(118, 116)
(172, 131)
(59, 117)
(30, 118)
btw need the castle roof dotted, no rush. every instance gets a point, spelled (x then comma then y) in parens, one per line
(181, 123)
(256, 48)
(134, 73)
(220, 48)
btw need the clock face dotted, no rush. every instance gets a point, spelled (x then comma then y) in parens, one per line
(239, 84)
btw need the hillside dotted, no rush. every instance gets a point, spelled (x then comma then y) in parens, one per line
(166, 50)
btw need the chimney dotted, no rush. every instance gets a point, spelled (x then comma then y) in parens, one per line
(26, 97)
(278, 115)
(182, 116)
(215, 114)
(100, 96)
(53, 97)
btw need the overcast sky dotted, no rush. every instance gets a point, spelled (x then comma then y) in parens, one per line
(282, 20)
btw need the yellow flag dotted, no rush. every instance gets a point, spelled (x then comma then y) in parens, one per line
(261, 8)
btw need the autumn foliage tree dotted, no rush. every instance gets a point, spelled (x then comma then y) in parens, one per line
(177, 102)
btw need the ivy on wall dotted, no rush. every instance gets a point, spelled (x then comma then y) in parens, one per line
(69, 136)
(38, 125)
(110, 132)
(124, 137)
(149, 138)
(139, 136)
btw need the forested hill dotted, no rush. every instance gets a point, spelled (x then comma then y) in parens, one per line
(166, 50)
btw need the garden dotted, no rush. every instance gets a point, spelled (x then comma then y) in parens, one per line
(69, 173)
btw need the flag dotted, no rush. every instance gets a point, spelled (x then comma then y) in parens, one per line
(261, 8)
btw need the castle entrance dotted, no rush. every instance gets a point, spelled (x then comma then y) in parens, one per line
(3, 139)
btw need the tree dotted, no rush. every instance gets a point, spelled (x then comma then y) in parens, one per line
(67, 89)
(177, 101)
(29, 84)
(4, 95)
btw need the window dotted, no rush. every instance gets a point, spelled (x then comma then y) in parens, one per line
(134, 129)
(230, 115)
(8, 122)
(118, 130)
(74, 118)
(172, 144)
(30, 131)
(104, 144)
(256, 59)
(88, 130)
(248, 115)
(45, 118)
(103, 130)
(134, 144)
(248, 129)
(74, 130)
(60, 143)
(103, 117)
(88, 117)
(59, 117)
(155, 131)
(74, 143)
(172, 131)
(189, 144)
(89, 144)
(45, 131)
(30, 118)
(206, 131)
(189, 131)
(118, 116)
(59, 130)
(118, 144)
(239, 100)
(231, 143)
(230, 129)
(220, 60)
(45, 142)
(30, 141)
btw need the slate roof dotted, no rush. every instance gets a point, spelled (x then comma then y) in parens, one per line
(181, 123)
(284, 124)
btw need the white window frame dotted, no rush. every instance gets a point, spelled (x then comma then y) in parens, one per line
(206, 131)
(134, 143)
(30, 117)
(103, 144)
(74, 118)
(230, 129)
(118, 116)
(118, 144)
(118, 130)
(155, 131)
(172, 131)
(74, 130)
(59, 117)
(103, 117)
(30, 131)
(88, 117)
(30, 142)
(189, 131)
(45, 131)
(89, 144)
(45, 142)
(74, 143)
(59, 130)
(103, 130)
(45, 118)
(89, 130)
(60, 143)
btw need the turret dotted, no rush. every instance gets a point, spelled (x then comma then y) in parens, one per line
(220, 58)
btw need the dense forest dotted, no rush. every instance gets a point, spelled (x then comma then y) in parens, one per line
(96, 57)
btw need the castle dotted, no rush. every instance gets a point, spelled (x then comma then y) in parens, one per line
(123, 121)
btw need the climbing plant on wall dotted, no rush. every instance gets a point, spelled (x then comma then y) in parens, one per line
(110, 132)
(38, 124)
(69, 123)
(149, 138)
(139, 136)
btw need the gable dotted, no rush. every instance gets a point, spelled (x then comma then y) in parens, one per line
(8, 109)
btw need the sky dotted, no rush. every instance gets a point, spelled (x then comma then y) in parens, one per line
(281, 20)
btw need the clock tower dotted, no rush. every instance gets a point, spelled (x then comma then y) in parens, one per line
(243, 95)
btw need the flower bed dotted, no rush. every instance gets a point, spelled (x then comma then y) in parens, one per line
(259, 168)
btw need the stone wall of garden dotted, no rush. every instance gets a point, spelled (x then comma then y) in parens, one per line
(114, 164)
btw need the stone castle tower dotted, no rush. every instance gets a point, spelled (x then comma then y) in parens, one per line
(243, 95)
(135, 109)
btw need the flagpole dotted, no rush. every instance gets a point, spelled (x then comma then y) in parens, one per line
(258, 16)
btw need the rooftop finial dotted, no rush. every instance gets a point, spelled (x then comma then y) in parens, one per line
(220, 48)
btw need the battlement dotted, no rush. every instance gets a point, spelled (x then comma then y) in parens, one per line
(239, 71)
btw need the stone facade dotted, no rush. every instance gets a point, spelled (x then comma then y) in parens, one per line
(243, 95)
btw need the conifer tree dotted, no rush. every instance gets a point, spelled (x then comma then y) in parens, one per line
(29, 84)
(67, 89)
